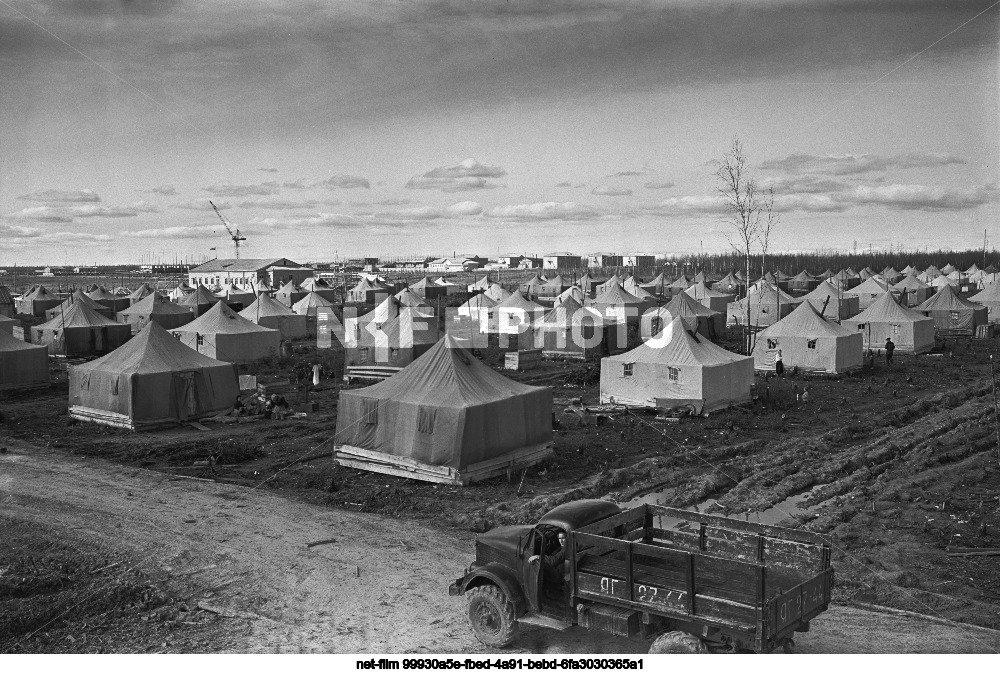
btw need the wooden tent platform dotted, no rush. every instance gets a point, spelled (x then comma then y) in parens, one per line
(399, 466)
(369, 373)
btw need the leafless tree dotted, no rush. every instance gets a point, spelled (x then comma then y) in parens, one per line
(751, 217)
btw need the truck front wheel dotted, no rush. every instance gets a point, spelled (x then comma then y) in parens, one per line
(491, 616)
(677, 642)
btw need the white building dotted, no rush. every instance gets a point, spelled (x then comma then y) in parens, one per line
(561, 260)
(241, 272)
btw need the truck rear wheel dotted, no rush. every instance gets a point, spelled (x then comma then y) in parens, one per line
(491, 616)
(677, 642)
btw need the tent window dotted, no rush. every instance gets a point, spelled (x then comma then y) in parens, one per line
(764, 311)
(772, 344)
(425, 419)
(811, 344)
(954, 315)
(369, 409)
(895, 329)
(201, 339)
(673, 374)
(627, 369)
(861, 326)
(363, 355)
(114, 386)
(393, 354)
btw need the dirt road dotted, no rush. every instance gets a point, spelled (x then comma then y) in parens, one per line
(380, 587)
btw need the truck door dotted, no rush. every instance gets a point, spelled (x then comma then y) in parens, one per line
(531, 572)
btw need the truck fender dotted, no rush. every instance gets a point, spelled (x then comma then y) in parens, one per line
(503, 577)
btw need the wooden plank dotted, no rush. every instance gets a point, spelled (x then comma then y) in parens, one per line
(532, 452)
(604, 525)
(398, 472)
(355, 452)
(734, 524)
(680, 539)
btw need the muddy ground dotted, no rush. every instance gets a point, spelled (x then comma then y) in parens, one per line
(901, 464)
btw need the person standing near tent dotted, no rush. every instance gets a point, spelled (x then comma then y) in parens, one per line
(889, 348)
(779, 366)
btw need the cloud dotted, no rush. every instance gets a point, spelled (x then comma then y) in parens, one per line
(173, 232)
(202, 204)
(70, 213)
(608, 190)
(302, 183)
(923, 197)
(465, 176)
(346, 182)
(564, 184)
(851, 164)
(816, 203)
(666, 184)
(262, 189)
(533, 212)
(14, 233)
(632, 173)
(62, 196)
(806, 184)
(395, 219)
(162, 190)
(268, 170)
(280, 204)
(465, 209)
(689, 205)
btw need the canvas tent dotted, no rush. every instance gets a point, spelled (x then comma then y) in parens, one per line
(532, 287)
(80, 331)
(677, 369)
(225, 335)
(140, 293)
(553, 287)
(411, 299)
(497, 293)
(803, 282)
(514, 314)
(309, 307)
(810, 342)
(446, 418)
(289, 294)
(717, 301)
(200, 301)
(367, 292)
(952, 313)
(182, 290)
(396, 343)
(6, 302)
(152, 381)
(82, 298)
(36, 302)
(832, 303)
(426, 289)
(320, 287)
(156, 308)
(990, 298)
(656, 286)
(113, 301)
(569, 330)
(7, 324)
(23, 366)
(708, 323)
(586, 283)
(868, 292)
(910, 331)
(767, 306)
(480, 285)
(730, 284)
(266, 312)
(912, 291)
(449, 287)
(575, 292)
(236, 297)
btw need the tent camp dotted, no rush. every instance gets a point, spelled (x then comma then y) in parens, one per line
(113, 301)
(152, 381)
(140, 293)
(497, 293)
(446, 418)
(23, 366)
(696, 316)
(425, 288)
(868, 292)
(36, 302)
(449, 287)
(571, 331)
(913, 291)
(367, 292)
(832, 303)
(730, 284)
(803, 282)
(236, 297)
(767, 306)
(156, 308)
(553, 287)
(320, 287)
(810, 342)
(532, 287)
(990, 298)
(289, 294)
(411, 299)
(396, 343)
(82, 298)
(266, 312)
(717, 301)
(309, 307)
(182, 290)
(225, 335)
(200, 301)
(677, 369)
(953, 314)
(514, 313)
(575, 292)
(910, 331)
(79, 332)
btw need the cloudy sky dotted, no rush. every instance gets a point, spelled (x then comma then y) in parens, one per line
(426, 127)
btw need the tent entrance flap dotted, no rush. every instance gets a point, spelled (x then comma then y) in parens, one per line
(185, 395)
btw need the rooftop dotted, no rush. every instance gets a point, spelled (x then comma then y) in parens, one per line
(245, 265)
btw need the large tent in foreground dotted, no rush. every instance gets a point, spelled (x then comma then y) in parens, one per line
(910, 331)
(952, 313)
(152, 381)
(23, 366)
(225, 335)
(677, 368)
(446, 418)
(810, 342)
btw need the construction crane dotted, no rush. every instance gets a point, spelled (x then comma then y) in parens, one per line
(237, 237)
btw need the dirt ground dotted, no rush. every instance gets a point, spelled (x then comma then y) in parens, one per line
(900, 464)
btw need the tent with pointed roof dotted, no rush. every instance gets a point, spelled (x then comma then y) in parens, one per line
(730, 284)
(82, 298)
(309, 304)
(152, 381)
(140, 293)
(155, 308)
(941, 281)
(532, 287)
(972, 269)
(952, 313)
(427, 289)
(641, 293)
(656, 286)
(868, 292)
(395, 343)
(23, 366)
(475, 304)
(832, 303)
(680, 284)
(514, 314)
(767, 306)
(266, 312)
(554, 286)
(676, 368)
(810, 342)
(36, 302)
(179, 292)
(948, 268)
(910, 331)
(200, 301)
(803, 282)
(79, 332)
(572, 331)
(289, 294)
(991, 269)
(913, 291)
(112, 301)
(708, 323)
(366, 292)
(909, 269)
(497, 293)
(7, 304)
(866, 273)
(480, 285)
(408, 297)
(846, 278)
(449, 287)
(586, 283)
(223, 334)
(826, 275)
(890, 275)
(446, 417)
(235, 296)
(7, 324)
(990, 298)
(576, 292)
(623, 308)
(616, 279)
(717, 301)
(320, 287)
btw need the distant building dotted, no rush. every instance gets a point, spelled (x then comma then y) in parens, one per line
(560, 260)
(51, 271)
(157, 268)
(85, 270)
(530, 263)
(274, 272)
(452, 265)
(639, 260)
(509, 261)
(603, 259)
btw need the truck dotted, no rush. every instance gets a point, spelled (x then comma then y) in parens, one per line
(689, 582)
